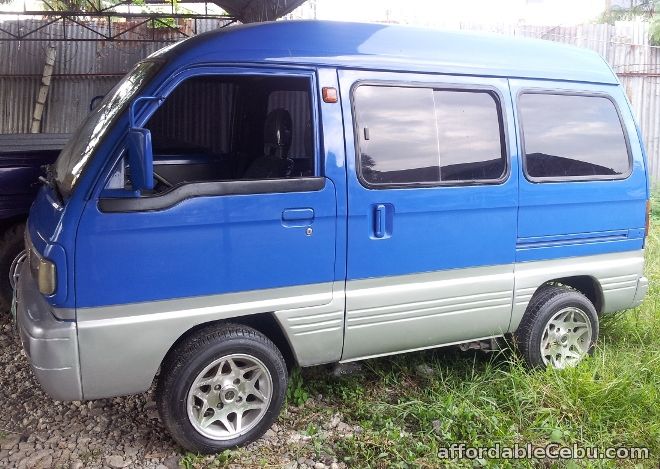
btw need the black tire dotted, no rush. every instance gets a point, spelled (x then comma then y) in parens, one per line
(11, 244)
(548, 301)
(190, 357)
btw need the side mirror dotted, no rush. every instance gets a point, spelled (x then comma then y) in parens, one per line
(140, 152)
(140, 158)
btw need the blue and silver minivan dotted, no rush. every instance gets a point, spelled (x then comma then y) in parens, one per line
(302, 193)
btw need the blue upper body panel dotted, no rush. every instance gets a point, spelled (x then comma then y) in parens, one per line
(386, 47)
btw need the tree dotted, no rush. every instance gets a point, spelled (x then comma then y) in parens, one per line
(655, 25)
(648, 10)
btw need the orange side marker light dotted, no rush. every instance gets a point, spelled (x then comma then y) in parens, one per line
(329, 94)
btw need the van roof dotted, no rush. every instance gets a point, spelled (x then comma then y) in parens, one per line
(390, 47)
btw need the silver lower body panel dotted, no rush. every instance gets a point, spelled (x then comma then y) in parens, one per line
(50, 344)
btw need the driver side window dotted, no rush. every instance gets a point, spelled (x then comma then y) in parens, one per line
(231, 128)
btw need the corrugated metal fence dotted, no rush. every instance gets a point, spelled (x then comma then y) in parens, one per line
(84, 70)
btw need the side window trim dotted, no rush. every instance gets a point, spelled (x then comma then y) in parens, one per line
(185, 192)
(495, 92)
(556, 179)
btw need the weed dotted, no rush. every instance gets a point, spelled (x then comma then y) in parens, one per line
(296, 393)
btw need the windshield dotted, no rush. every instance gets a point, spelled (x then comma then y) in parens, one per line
(79, 149)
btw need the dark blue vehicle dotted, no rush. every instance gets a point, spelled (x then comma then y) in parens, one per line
(22, 157)
(310, 192)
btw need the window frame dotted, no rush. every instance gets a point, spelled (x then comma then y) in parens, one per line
(563, 92)
(493, 91)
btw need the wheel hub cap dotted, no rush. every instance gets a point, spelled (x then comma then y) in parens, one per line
(566, 338)
(229, 397)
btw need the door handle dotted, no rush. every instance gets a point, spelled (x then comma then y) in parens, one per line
(294, 214)
(297, 217)
(379, 220)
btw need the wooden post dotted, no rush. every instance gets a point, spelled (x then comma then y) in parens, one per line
(51, 52)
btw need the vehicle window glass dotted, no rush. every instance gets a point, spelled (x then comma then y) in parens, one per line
(196, 118)
(470, 137)
(416, 135)
(296, 103)
(397, 134)
(228, 128)
(572, 136)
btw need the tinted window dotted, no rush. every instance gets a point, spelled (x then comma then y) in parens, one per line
(296, 103)
(195, 119)
(572, 137)
(398, 137)
(422, 135)
(229, 128)
(470, 136)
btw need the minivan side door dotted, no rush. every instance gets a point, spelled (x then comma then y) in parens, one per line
(432, 206)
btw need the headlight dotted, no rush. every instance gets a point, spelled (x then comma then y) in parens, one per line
(42, 269)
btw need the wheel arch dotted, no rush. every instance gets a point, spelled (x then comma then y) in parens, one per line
(587, 285)
(266, 323)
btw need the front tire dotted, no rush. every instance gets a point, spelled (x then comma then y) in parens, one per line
(221, 387)
(11, 245)
(559, 328)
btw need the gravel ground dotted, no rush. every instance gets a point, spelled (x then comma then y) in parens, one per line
(37, 432)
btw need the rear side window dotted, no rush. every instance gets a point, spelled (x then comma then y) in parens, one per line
(572, 137)
(416, 135)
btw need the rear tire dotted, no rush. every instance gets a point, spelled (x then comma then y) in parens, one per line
(11, 244)
(559, 328)
(221, 387)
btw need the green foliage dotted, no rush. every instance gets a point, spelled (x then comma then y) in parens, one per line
(655, 29)
(655, 24)
(79, 5)
(198, 461)
(191, 461)
(640, 9)
(95, 5)
(648, 10)
(296, 393)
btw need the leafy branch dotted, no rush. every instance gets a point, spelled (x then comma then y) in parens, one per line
(648, 10)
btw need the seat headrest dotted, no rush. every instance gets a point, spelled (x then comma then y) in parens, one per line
(277, 133)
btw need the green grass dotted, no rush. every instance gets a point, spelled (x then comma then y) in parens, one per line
(406, 415)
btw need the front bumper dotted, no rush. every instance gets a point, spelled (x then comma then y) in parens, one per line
(50, 344)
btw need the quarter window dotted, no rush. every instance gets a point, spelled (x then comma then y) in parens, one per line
(416, 135)
(572, 137)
